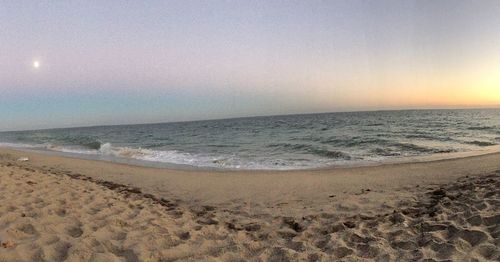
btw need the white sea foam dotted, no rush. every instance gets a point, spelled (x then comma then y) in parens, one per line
(176, 157)
(182, 158)
(16, 145)
(196, 160)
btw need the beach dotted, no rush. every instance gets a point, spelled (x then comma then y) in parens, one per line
(249, 131)
(65, 209)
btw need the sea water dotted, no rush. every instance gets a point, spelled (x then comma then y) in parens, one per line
(276, 142)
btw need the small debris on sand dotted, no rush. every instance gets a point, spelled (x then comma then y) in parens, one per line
(8, 244)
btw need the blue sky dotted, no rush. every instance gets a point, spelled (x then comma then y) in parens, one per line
(112, 62)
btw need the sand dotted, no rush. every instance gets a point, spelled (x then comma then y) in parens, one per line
(62, 209)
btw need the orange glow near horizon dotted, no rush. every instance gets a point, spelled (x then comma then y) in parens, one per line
(439, 92)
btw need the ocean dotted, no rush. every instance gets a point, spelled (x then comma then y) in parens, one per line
(275, 142)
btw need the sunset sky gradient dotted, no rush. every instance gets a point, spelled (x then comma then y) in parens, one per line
(119, 62)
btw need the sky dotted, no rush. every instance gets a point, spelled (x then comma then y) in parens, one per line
(122, 62)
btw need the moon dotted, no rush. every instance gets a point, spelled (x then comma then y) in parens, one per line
(36, 64)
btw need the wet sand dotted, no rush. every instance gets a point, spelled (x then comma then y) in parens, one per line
(57, 208)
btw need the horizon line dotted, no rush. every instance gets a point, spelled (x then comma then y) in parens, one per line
(255, 116)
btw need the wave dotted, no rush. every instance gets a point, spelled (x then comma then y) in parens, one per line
(222, 146)
(440, 151)
(140, 153)
(164, 156)
(157, 144)
(481, 127)
(88, 142)
(398, 149)
(423, 149)
(353, 142)
(413, 147)
(201, 160)
(384, 152)
(480, 143)
(384, 148)
(429, 137)
(92, 145)
(171, 157)
(332, 154)
(292, 147)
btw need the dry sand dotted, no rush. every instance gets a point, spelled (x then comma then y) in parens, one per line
(62, 209)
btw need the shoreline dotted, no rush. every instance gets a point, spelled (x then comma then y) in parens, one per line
(65, 209)
(219, 186)
(184, 167)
